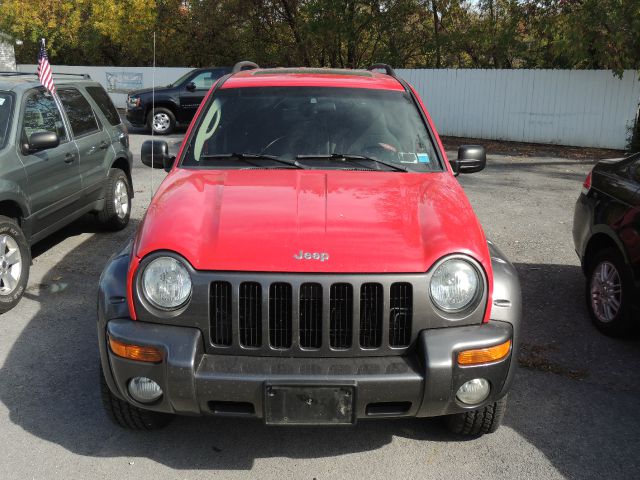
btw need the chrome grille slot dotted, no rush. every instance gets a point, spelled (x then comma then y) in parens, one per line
(400, 314)
(221, 313)
(250, 314)
(310, 315)
(341, 315)
(280, 314)
(371, 303)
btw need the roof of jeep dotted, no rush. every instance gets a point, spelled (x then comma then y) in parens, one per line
(313, 77)
(25, 82)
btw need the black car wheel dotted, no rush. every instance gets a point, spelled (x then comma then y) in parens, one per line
(162, 121)
(609, 293)
(15, 258)
(478, 422)
(117, 202)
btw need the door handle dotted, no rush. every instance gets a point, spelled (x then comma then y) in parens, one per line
(103, 145)
(69, 158)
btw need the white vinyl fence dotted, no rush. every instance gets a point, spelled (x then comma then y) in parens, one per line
(120, 80)
(589, 108)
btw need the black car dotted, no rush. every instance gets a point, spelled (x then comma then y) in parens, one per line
(175, 104)
(606, 234)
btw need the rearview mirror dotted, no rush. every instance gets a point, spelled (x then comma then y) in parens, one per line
(471, 159)
(155, 153)
(43, 141)
(191, 86)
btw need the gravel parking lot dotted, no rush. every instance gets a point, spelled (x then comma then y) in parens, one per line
(573, 411)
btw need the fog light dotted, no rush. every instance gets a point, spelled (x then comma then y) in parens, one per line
(144, 390)
(474, 391)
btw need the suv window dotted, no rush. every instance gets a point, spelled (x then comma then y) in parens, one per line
(101, 97)
(79, 111)
(6, 101)
(204, 80)
(41, 114)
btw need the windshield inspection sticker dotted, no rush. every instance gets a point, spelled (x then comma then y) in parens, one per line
(406, 157)
(423, 157)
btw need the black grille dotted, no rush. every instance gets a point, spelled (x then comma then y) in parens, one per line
(341, 315)
(280, 315)
(250, 314)
(371, 300)
(221, 314)
(310, 315)
(400, 314)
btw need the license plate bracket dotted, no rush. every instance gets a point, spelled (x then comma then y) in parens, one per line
(309, 405)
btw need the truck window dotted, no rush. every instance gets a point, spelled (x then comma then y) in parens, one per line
(102, 99)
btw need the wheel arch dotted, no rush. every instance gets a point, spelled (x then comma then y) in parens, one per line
(122, 163)
(12, 209)
(599, 241)
(168, 104)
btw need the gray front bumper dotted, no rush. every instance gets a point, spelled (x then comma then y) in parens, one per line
(421, 384)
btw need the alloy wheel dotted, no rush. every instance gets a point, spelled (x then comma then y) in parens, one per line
(10, 264)
(606, 292)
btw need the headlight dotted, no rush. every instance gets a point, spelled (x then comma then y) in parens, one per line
(454, 285)
(166, 283)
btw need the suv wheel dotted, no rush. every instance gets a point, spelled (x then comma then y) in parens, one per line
(15, 259)
(117, 201)
(608, 293)
(129, 416)
(478, 422)
(161, 121)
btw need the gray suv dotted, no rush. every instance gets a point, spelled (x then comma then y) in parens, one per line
(61, 156)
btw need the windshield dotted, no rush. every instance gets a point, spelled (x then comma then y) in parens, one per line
(318, 127)
(181, 79)
(5, 116)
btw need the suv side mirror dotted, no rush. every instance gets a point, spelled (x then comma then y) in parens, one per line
(471, 159)
(43, 141)
(159, 151)
(190, 86)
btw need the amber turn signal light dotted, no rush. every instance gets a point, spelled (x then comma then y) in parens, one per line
(135, 352)
(484, 355)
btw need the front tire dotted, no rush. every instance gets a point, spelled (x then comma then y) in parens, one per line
(161, 121)
(117, 201)
(129, 416)
(478, 422)
(608, 293)
(15, 260)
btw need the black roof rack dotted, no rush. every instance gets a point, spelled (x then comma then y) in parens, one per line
(383, 66)
(238, 67)
(85, 76)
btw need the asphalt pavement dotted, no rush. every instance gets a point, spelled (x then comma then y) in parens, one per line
(573, 411)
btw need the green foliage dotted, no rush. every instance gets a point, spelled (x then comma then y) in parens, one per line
(344, 33)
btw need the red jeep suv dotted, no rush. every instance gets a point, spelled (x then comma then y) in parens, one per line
(310, 259)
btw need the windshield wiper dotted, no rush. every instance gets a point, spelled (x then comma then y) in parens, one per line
(247, 157)
(348, 156)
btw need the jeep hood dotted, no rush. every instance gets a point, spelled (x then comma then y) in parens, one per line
(356, 222)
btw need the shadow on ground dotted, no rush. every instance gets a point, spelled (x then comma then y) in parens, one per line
(49, 383)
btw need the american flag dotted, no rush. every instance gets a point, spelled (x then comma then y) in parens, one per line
(44, 69)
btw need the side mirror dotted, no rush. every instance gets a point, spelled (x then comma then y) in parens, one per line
(159, 151)
(471, 159)
(43, 141)
(190, 86)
